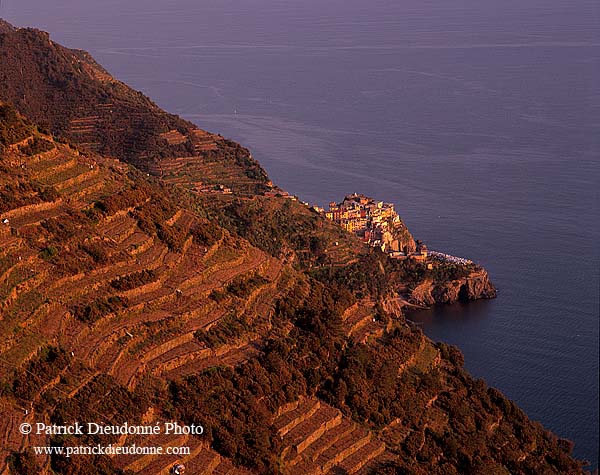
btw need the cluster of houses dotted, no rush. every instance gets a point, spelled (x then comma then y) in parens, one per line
(278, 192)
(222, 189)
(361, 214)
(376, 223)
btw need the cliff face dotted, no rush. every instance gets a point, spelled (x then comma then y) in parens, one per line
(399, 238)
(476, 285)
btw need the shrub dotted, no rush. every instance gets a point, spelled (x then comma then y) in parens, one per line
(451, 353)
(227, 330)
(63, 228)
(173, 236)
(22, 193)
(218, 295)
(13, 128)
(99, 308)
(97, 252)
(23, 463)
(131, 281)
(35, 146)
(48, 252)
(206, 234)
(47, 364)
(243, 286)
(123, 200)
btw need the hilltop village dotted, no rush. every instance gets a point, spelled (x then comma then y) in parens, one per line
(377, 224)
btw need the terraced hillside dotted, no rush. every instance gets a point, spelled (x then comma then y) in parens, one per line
(73, 96)
(122, 300)
(119, 303)
(318, 439)
(202, 460)
(96, 260)
(286, 228)
(69, 92)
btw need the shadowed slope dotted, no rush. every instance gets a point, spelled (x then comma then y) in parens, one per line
(71, 94)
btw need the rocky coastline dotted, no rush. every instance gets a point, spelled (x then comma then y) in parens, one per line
(476, 285)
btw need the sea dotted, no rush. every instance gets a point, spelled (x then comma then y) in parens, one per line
(479, 119)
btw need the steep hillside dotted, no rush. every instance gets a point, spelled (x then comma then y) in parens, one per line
(102, 267)
(69, 93)
(120, 303)
(74, 97)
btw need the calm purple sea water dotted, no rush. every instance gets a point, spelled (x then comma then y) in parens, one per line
(480, 119)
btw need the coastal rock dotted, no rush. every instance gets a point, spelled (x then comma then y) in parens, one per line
(421, 294)
(474, 286)
(393, 306)
(477, 286)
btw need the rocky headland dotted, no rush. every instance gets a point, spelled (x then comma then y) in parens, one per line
(473, 286)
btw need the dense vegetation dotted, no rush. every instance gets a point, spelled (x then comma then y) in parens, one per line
(47, 364)
(99, 308)
(64, 242)
(362, 380)
(227, 330)
(206, 233)
(22, 193)
(117, 406)
(13, 128)
(35, 146)
(131, 281)
(268, 224)
(235, 405)
(367, 276)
